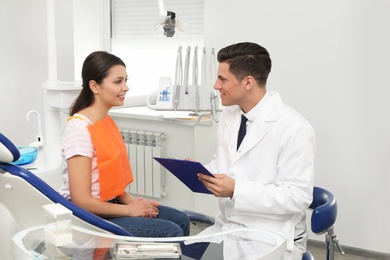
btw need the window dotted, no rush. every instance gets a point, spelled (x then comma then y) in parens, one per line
(147, 56)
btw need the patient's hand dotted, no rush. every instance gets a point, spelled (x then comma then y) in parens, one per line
(143, 208)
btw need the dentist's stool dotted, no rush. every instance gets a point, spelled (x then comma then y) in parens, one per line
(323, 217)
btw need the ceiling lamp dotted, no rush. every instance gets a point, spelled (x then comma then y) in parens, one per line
(170, 24)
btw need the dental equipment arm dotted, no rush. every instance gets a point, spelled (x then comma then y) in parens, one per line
(161, 8)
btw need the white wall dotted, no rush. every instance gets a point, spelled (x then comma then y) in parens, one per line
(23, 66)
(331, 63)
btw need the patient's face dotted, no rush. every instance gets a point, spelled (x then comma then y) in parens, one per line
(112, 90)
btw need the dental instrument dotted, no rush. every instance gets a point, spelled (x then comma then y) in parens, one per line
(186, 70)
(213, 95)
(213, 68)
(195, 79)
(178, 78)
(203, 68)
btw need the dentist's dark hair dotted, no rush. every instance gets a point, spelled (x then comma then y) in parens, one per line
(95, 67)
(247, 59)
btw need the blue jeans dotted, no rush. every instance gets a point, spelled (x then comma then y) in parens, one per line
(170, 222)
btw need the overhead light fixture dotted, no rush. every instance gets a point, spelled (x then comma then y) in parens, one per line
(170, 24)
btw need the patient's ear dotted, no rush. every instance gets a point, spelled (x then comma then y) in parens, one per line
(94, 86)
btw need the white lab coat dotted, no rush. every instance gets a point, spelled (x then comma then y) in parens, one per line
(273, 169)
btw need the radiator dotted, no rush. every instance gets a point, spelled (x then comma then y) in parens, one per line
(148, 176)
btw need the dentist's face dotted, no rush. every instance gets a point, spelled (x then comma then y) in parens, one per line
(232, 91)
(112, 90)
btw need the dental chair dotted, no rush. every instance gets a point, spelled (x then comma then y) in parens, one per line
(323, 217)
(22, 196)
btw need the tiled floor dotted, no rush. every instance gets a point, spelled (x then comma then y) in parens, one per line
(318, 249)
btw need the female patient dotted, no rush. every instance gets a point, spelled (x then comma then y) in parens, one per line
(96, 168)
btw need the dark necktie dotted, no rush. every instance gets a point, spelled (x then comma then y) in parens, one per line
(242, 131)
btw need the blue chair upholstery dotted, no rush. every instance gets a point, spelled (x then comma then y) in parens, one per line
(307, 256)
(323, 217)
(54, 196)
(198, 217)
(324, 208)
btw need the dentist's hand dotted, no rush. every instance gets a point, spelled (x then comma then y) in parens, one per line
(221, 186)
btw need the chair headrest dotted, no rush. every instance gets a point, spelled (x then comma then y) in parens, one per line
(8, 151)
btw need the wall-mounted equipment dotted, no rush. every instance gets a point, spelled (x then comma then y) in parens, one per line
(196, 96)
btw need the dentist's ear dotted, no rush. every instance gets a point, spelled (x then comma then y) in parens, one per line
(249, 82)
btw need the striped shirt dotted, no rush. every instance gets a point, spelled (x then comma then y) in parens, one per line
(76, 140)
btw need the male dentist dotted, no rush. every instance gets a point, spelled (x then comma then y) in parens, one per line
(264, 159)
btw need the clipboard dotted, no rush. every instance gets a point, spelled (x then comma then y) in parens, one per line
(186, 172)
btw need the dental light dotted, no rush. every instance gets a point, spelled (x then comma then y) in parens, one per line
(170, 24)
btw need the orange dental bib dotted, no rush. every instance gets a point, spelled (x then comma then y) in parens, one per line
(112, 160)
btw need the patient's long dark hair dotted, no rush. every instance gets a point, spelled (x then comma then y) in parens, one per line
(95, 67)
